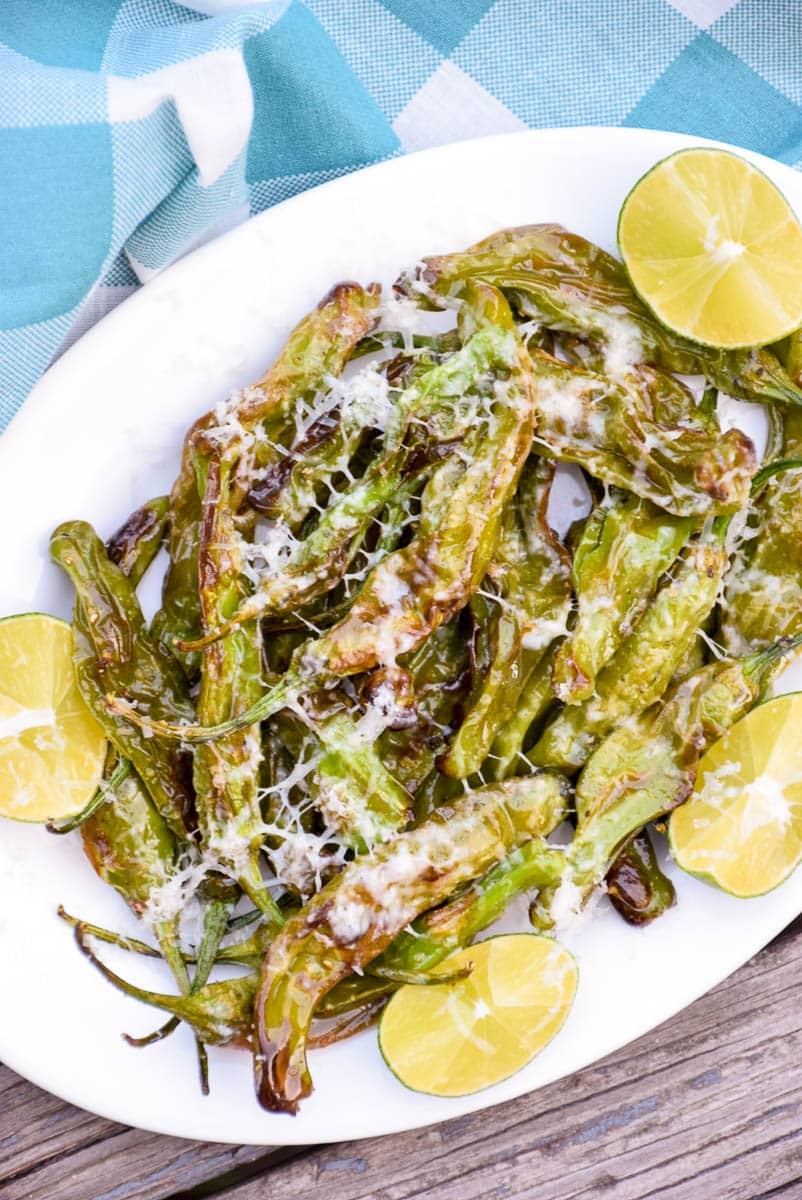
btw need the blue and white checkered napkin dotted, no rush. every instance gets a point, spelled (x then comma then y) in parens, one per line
(132, 129)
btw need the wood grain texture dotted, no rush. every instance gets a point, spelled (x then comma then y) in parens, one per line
(707, 1107)
(52, 1151)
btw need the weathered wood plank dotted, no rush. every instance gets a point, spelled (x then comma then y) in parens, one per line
(35, 1126)
(707, 1106)
(49, 1149)
(131, 1165)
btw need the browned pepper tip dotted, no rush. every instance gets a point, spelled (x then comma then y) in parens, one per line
(342, 291)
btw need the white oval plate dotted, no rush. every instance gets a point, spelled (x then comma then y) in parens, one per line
(100, 434)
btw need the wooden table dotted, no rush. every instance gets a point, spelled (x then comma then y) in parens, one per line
(706, 1107)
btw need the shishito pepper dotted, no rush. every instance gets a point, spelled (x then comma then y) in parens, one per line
(356, 916)
(647, 766)
(611, 428)
(639, 673)
(572, 285)
(762, 599)
(529, 607)
(226, 772)
(318, 346)
(626, 545)
(113, 652)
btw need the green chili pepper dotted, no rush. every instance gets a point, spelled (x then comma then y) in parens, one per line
(647, 766)
(626, 546)
(641, 670)
(319, 346)
(415, 589)
(226, 772)
(610, 428)
(358, 914)
(532, 601)
(133, 850)
(762, 598)
(443, 930)
(508, 753)
(112, 652)
(571, 285)
(437, 408)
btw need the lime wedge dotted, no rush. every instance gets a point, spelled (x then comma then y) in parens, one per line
(741, 828)
(455, 1038)
(714, 249)
(51, 748)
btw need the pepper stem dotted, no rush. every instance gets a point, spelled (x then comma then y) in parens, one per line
(214, 635)
(156, 999)
(771, 469)
(758, 664)
(99, 797)
(272, 702)
(107, 935)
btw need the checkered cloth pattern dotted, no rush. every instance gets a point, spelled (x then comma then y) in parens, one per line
(133, 130)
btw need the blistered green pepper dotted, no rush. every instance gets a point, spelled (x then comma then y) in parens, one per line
(647, 766)
(226, 772)
(639, 673)
(318, 346)
(572, 285)
(356, 916)
(113, 653)
(762, 598)
(610, 427)
(626, 546)
(531, 603)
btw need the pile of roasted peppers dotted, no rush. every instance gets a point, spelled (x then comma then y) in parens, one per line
(379, 680)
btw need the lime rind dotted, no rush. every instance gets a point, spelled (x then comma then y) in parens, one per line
(52, 750)
(445, 1043)
(741, 829)
(735, 207)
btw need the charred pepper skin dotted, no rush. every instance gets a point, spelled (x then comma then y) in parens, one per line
(640, 672)
(318, 346)
(627, 544)
(336, 931)
(112, 652)
(637, 888)
(571, 285)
